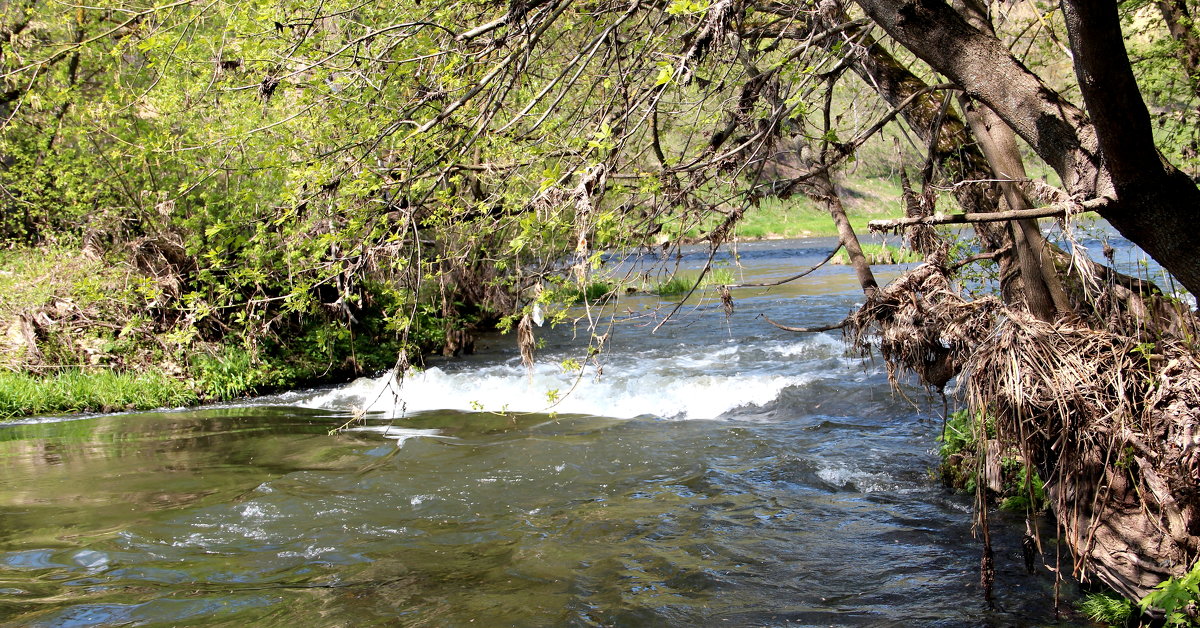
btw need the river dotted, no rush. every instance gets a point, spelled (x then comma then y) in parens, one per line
(715, 472)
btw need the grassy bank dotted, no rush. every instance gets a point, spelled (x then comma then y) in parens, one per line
(74, 390)
(865, 199)
(881, 254)
(79, 333)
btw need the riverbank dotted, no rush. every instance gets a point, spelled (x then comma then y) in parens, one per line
(85, 330)
(82, 332)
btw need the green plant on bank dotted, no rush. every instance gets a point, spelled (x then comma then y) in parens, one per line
(96, 390)
(1022, 489)
(593, 292)
(230, 373)
(1178, 599)
(881, 254)
(1106, 608)
(681, 283)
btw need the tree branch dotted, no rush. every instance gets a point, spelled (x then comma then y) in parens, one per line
(805, 330)
(1050, 211)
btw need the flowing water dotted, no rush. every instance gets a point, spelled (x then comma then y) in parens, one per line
(718, 471)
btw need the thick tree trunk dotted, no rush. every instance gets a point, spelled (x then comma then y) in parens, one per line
(1043, 291)
(1153, 204)
(1157, 206)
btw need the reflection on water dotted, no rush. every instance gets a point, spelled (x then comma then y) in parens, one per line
(667, 495)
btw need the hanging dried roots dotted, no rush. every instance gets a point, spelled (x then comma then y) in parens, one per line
(526, 342)
(1110, 422)
(1107, 419)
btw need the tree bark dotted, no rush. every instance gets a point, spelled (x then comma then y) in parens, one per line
(1154, 205)
(1043, 291)
(1158, 207)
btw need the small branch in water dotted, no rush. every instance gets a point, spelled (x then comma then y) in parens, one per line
(805, 330)
(770, 284)
(1049, 211)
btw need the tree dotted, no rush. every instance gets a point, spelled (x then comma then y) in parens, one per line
(1107, 153)
(282, 162)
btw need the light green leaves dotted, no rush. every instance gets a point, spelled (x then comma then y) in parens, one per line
(1174, 595)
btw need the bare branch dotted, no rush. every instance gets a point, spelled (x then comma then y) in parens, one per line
(805, 330)
(1050, 211)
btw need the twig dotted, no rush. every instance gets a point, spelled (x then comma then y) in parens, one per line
(805, 330)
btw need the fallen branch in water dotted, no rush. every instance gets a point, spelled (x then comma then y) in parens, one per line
(805, 330)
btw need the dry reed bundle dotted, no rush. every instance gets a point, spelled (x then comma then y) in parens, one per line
(1109, 420)
(923, 325)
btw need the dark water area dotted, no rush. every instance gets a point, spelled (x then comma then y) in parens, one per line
(718, 472)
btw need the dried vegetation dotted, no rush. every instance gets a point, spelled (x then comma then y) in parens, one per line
(1102, 403)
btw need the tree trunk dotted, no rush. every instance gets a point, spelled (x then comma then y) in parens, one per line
(1152, 203)
(820, 188)
(1157, 206)
(1043, 291)
(790, 163)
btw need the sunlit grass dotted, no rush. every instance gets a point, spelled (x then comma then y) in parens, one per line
(681, 283)
(29, 278)
(880, 254)
(864, 199)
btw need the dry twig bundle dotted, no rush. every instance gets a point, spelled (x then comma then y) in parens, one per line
(1108, 419)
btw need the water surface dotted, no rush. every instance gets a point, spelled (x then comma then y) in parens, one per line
(716, 472)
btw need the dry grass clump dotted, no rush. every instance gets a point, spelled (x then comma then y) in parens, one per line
(1107, 418)
(923, 325)
(1111, 421)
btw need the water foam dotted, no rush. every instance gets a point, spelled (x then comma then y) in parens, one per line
(669, 396)
(687, 382)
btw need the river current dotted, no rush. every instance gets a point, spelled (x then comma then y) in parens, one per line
(715, 472)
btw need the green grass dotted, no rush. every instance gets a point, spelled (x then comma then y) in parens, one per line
(880, 254)
(29, 278)
(1106, 608)
(594, 291)
(74, 390)
(864, 199)
(682, 282)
